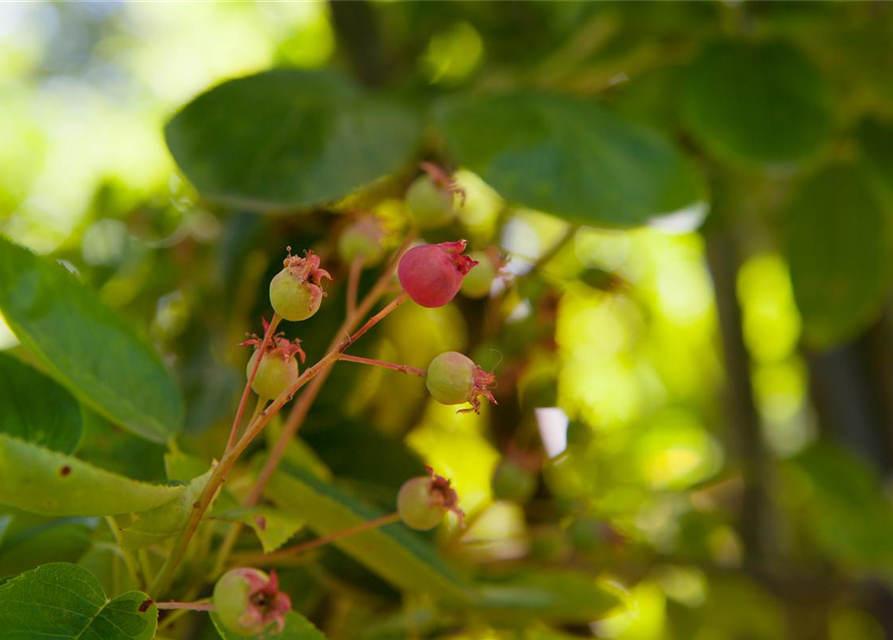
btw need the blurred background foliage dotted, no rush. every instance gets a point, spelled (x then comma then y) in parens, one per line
(707, 403)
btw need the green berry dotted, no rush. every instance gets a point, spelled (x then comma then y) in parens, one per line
(431, 205)
(511, 481)
(479, 280)
(293, 298)
(274, 375)
(248, 602)
(361, 239)
(450, 378)
(414, 504)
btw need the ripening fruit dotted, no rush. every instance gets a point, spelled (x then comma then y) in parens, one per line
(274, 375)
(248, 602)
(479, 280)
(296, 291)
(423, 501)
(432, 273)
(511, 481)
(361, 239)
(450, 378)
(431, 205)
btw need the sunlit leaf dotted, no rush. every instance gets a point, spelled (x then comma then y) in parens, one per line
(67, 602)
(392, 551)
(85, 345)
(36, 409)
(568, 157)
(763, 103)
(289, 139)
(38, 480)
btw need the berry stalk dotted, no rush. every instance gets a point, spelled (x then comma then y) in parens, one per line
(402, 368)
(188, 606)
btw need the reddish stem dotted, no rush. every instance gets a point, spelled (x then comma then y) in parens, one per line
(192, 606)
(268, 337)
(402, 368)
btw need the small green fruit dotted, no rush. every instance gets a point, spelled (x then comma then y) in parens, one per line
(248, 602)
(415, 507)
(479, 280)
(450, 378)
(513, 482)
(274, 375)
(361, 239)
(293, 298)
(431, 205)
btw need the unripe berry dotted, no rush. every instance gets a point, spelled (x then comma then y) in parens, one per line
(511, 481)
(453, 378)
(431, 206)
(296, 291)
(361, 239)
(432, 273)
(248, 602)
(274, 375)
(478, 282)
(423, 501)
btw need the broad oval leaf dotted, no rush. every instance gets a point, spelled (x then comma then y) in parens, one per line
(289, 139)
(66, 602)
(395, 553)
(838, 249)
(145, 528)
(38, 480)
(36, 409)
(563, 596)
(876, 139)
(85, 345)
(297, 627)
(763, 103)
(568, 157)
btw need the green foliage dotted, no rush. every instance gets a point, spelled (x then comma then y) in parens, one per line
(289, 139)
(569, 157)
(41, 481)
(85, 346)
(838, 246)
(36, 409)
(762, 103)
(297, 627)
(392, 551)
(66, 601)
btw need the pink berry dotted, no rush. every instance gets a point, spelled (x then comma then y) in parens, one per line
(423, 501)
(248, 602)
(432, 273)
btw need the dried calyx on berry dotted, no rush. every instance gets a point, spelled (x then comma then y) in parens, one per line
(479, 281)
(432, 273)
(278, 370)
(423, 501)
(454, 379)
(362, 239)
(296, 291)
(432, 197)
(248, 602)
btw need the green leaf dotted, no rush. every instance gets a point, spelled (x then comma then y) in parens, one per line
(38, 480)
(297, 627)
(62, 540)
(393, 551)
(273, 527)
(105, 560)
(551, 596)
(67, 602)
(568, 157)
(289, 139)
(145, 528)
(36, 409)
(85, 345)
(763, 103)
(838, 249)
(876, 138)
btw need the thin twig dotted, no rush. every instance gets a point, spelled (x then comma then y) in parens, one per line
(353, 284)
(189, 606)
(402, 368)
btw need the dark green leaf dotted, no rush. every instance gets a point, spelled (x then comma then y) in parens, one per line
(62, 540)
(568, 157)
(297, 627)
(85, 345)
(763, 103)
(392, 551)
(289, 139)
(876, 138)
(67, 602)
(38, 480)
(839, 254)
(36, 409)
